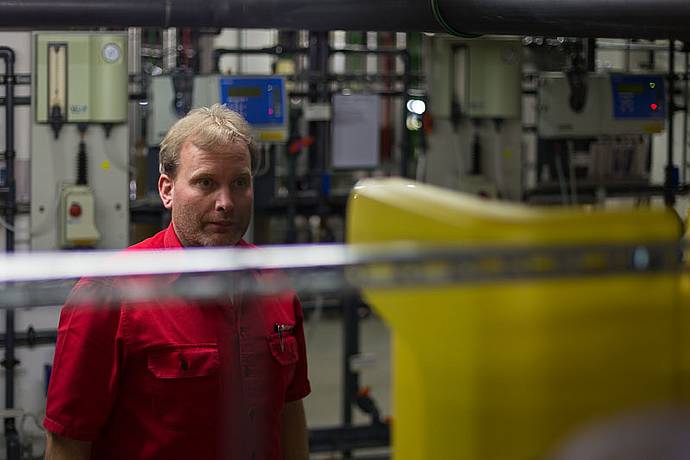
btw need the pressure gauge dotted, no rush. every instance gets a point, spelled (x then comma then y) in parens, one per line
(111, 52)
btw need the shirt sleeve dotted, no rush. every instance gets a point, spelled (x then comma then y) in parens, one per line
(299, 387)
(87, 364)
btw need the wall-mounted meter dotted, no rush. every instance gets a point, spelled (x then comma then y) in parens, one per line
(81, 77)
(615, 104)
(262, 101)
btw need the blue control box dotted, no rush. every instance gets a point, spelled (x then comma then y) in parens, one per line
(261, 100)
(639, 97)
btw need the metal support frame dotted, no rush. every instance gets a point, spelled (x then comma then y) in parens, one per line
(318, 93)
(348, 438)
(13, 447)
(350, 349)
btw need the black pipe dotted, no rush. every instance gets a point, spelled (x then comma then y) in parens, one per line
(686, 103)
(571, 18)
(350, 349)
(319, 92)
(669, 185)
(406, 150)
(13, 447)
(7, 54)
(32, 338)
(286, 14)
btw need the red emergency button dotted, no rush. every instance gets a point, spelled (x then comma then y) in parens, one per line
(75, 210)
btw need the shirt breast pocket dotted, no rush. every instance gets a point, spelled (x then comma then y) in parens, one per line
(284, 352)
(186, 385)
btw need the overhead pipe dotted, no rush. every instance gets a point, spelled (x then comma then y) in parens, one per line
(571, 18)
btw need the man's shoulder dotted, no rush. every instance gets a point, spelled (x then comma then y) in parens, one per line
(244, 244)
(156, 241)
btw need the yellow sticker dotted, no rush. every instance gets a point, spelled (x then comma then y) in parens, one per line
(272, 136)
(507, 153)
(105, 165)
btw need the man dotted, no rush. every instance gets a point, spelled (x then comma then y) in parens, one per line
(187, 381)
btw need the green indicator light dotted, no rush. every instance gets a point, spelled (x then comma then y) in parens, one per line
(652, 85)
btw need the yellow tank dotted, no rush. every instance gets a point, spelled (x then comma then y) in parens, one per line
(516, 369)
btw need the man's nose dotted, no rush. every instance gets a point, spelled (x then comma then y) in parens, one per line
(224, 200)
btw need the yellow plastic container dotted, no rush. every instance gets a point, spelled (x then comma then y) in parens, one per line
(515, 369)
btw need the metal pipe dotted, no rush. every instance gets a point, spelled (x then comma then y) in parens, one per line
(7, 54)
(686, 101)
(13, 448)
(609, 45)
(576, 18)
(669, 192)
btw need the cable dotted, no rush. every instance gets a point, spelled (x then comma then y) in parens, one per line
(561, 179)
(3, 223)
(448, 28)
(571, 172)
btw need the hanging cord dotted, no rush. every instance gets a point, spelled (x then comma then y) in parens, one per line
(446, 26)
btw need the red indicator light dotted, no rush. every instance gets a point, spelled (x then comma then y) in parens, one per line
(75, 210)
(654, 106)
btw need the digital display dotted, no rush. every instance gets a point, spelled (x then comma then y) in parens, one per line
(638, 97)
(244, 91)
(631, 88)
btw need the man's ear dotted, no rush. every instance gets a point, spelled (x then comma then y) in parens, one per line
(166, 184)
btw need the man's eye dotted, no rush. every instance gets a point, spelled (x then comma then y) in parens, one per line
(205, 183)
(242, 182)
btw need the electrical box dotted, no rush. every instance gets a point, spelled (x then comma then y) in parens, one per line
(77, 217)
(81, 77)
(262, 100)
(492, 71)
(615, 104)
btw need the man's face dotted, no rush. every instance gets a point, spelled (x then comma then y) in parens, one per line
(210, 196)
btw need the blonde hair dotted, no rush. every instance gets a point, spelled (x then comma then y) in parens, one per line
(208, 128)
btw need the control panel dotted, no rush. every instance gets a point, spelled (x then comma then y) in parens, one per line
(638, 97)
(261, 100)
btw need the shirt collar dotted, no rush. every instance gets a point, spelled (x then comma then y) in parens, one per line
(171, 241)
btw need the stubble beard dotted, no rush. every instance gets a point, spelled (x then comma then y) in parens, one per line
(190, 230)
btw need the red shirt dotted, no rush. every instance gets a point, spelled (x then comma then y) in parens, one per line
(177, 381)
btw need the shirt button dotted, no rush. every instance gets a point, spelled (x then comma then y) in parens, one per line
(243, 331)
(251, 414)
(247, 371)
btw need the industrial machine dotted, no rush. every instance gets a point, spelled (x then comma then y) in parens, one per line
(262, 100)
(79, 134)
(613, 104)
(595, 130)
